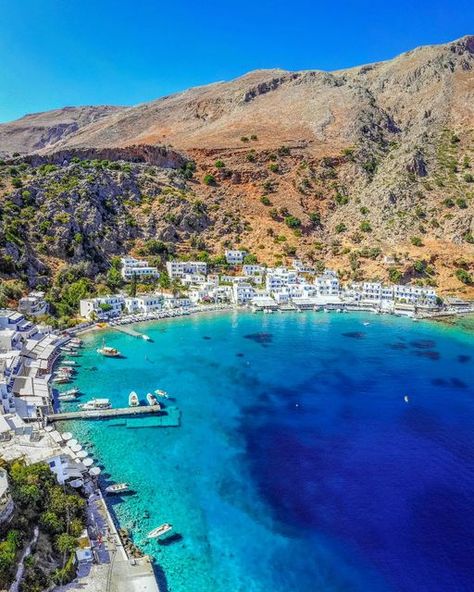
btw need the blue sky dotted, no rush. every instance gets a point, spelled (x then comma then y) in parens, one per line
(70, 52)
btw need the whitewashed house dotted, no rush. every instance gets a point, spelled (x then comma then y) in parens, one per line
(34, 304)
(144, 303)
(102, 306)
(235, 257)
(327, 284)
(138, 268)
(243, 293)
(179, 269)
(253, 269)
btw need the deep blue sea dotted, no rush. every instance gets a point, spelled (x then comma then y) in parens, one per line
(298, 465)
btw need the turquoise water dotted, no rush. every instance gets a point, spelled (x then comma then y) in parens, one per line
(298, 465)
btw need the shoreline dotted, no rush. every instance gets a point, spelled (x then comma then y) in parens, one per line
(443, 317)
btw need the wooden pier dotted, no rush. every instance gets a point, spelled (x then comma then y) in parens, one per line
(107, 413)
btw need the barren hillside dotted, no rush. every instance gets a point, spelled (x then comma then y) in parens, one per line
(370, 170)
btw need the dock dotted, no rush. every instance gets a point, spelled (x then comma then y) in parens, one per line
(130, 331)
(107, 413)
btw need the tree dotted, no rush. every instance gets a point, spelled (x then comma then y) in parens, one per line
(395, 275)
(114, 279)
(65, 543)
(133, 286)
(250, 259)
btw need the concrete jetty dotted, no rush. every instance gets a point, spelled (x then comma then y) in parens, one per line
(130, 331)
(106, 413)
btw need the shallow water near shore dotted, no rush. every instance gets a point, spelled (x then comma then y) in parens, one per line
(298, 465)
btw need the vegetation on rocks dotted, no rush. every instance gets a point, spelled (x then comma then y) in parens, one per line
(60, 514)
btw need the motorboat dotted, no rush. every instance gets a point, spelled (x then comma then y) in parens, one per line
(109, 352)
(61, 379)
(159, 531)
(133, 399)
(117, 488)
(161, 393)
(96, 404)
(66, 398)
(152, 400)
(74, 391)
(69, 363)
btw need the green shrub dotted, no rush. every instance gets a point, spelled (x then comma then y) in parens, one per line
(469, 178)
(283, 151)
(315, 218)
(292, 221)
(461, 203)
(448, 203)
(341, 199)
(209, 179)
(273, 167)
(250, 157)
(219, 164)
(341, 227)
(17, 182)
(365, 226)
(464, 276)
(265, 200)
(416, 241)
(254, 137)
(364, 211)
(395, 275)
(244, 139)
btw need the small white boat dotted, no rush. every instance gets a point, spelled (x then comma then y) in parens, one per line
(405, 398)
(161, 393)
(117, 488)
(152, 400)
(69, 363)
(61, 379)
(96, 404)
(133, 399)
(74, 391)
(64, 397)
(159, 531)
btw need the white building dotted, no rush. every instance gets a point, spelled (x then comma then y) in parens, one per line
(327, 284)
(414, 294)
(253, 269)
(138, 268)
(279, 277)
(243, 293)
(102, 306)
(179, 269)
(170, 301)
(144, 303)
(235, 257)
(33, 304)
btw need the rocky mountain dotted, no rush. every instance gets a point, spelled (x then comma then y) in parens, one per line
(44, 130)
(369, 170)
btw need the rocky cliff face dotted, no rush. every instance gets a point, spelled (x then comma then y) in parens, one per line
(44, 130)
(343, 168)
